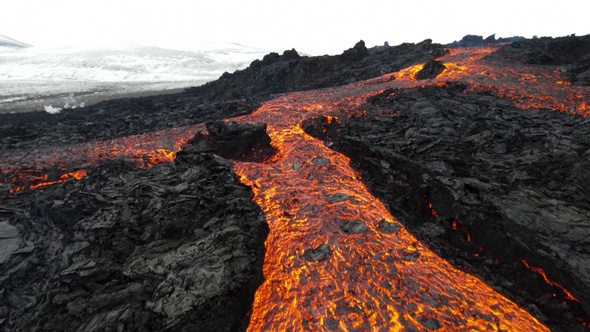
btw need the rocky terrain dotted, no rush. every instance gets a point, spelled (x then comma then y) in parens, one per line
(491, 188)
(474, 40)
(291, 72)
(176, 247)
(568, 55)
(114, 118)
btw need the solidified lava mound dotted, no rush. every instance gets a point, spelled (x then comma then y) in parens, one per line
(569, 55)
(498, 191)
(291, 72)
(239, 141)
(175, 247)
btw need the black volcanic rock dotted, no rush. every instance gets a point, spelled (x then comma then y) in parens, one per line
(357, 53)
(241, 141)
(179, 247)
(321, 253)
(175, 247)
(571, 55)
(289, 72)
(114, 118)
(430, 70)
(488, 186)
(291, 55)
(475, 40)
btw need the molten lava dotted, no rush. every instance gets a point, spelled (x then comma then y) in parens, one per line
(540, 271)
(30, 170)
(367, 278)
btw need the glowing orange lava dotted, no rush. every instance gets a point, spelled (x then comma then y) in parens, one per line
(369, 280)
(540, 271)
(143, 150)
(373, 279)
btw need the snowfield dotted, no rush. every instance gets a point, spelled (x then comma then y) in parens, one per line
(32, 78)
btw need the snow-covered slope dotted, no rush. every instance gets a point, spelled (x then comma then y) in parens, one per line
(34, 77)
(12, 43)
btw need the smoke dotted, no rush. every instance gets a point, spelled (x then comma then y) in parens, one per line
(69, 103)
(52, 110)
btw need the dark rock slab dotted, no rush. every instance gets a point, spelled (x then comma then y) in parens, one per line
(338, 197)
(354, 227)
(176, 247)
(571, 55)
(321, 253)
(388, 227)
(10, 242)
(320, 161)
(241, 141)
(430, 70)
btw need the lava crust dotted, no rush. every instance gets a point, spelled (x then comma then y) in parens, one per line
(175, 247)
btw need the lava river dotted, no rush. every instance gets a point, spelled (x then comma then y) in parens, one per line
(336, 259)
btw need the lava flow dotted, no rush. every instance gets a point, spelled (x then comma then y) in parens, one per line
(143, 150)
(335, 257)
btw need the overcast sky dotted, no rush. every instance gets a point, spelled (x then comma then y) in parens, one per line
(311, 26)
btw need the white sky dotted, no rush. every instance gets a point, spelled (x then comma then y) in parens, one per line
(310, 26)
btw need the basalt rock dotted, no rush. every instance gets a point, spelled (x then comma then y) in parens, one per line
(571, 55)
(290, 72)
(241, 141)
(112, 119)
(430, 70)
(357, 53)
(176, 247)
(475, 40)
(493, 189)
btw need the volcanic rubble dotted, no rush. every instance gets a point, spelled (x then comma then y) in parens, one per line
(498, 191)
(114, 118)
(569, 55)
(175, 247)
(291, 72)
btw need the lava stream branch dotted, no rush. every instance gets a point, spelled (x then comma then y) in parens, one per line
(330, 261)
(144, 150)
(335, 258)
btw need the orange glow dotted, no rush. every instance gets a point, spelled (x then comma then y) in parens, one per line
(144, 150)
(408, 73)
(330, 119)
(452, 70)
(367, 279)
(78, 175)
(432, 210)
(455, 226)
(540, 271)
